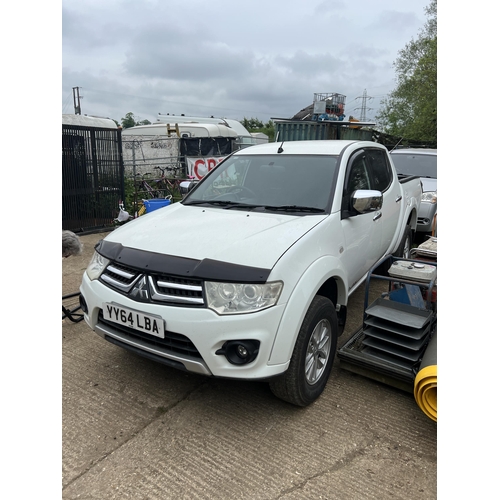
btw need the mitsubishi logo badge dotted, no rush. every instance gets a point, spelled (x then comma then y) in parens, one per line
(140, 290)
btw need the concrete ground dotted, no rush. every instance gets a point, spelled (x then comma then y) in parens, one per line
(139, 430)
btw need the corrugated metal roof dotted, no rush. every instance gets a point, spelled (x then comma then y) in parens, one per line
(296, 130)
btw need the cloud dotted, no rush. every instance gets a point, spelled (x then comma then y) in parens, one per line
(230, 59)
(184, 57)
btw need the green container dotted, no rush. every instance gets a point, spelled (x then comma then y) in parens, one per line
(295, 130)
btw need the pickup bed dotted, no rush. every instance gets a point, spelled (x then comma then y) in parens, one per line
(249, 276)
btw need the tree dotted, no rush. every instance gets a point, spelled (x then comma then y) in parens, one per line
(252, 123)
(130, 121)
(410, 110)
(268, 129)
(255, 125)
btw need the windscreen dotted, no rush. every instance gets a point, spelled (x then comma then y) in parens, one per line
(416, 164)
(269, 182)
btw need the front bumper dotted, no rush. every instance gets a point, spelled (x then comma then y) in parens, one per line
(193, 335)
(425, 217)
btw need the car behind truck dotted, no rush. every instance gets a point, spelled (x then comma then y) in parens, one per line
(248, 277)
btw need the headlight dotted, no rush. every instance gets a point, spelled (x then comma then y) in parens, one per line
(238, 298)
(430, 197)
(96, 266)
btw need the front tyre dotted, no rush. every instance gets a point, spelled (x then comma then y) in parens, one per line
(312, 357)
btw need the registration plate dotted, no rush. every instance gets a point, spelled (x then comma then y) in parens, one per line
(146, 323)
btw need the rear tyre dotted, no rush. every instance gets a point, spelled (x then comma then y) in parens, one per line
(405, 245)
(312, 357)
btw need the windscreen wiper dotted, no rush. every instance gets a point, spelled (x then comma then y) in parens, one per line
(234, 204)
(294, 208)
(223, 203)
(211, 202)
(242, 205)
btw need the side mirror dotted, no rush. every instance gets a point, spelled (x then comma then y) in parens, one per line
(366, 200)
(186, 186)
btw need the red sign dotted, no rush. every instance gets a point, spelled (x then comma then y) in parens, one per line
(199, 167)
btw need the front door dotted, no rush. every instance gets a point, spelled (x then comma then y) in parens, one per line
(360, 231)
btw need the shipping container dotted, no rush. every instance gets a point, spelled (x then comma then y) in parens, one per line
(295, 130)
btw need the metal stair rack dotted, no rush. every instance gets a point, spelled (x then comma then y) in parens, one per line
(397, 325)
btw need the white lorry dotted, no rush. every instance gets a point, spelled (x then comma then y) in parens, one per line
(249, 276)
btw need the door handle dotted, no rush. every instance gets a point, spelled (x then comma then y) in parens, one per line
(377, 216)
(399, 198)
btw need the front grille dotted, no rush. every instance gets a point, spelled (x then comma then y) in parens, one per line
(120, 277)
(174, 343)
(160, 288)
(176, 290)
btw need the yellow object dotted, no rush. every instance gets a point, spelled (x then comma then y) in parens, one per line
(351, 119)
(425, 391)
(434, 225)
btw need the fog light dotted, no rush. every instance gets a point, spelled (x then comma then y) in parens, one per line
(242, 351)
(239, 352)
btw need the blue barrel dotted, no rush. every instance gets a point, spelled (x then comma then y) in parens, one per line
(155, 204)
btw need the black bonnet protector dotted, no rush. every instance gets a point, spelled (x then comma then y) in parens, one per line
(206, 269)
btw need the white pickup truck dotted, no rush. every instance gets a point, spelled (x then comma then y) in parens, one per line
(249, 276)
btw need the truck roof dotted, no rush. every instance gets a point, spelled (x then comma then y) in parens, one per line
(326, 147)
(416, 151)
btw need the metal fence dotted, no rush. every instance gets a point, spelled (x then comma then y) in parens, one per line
(92, 177)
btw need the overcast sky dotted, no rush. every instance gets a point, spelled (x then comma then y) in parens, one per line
(231, 59)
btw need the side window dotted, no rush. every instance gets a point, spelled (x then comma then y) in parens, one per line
(358, 175)
(357, 178)
(380, 169)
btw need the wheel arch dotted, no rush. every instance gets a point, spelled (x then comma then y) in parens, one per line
(317, 280)
(410, 220)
